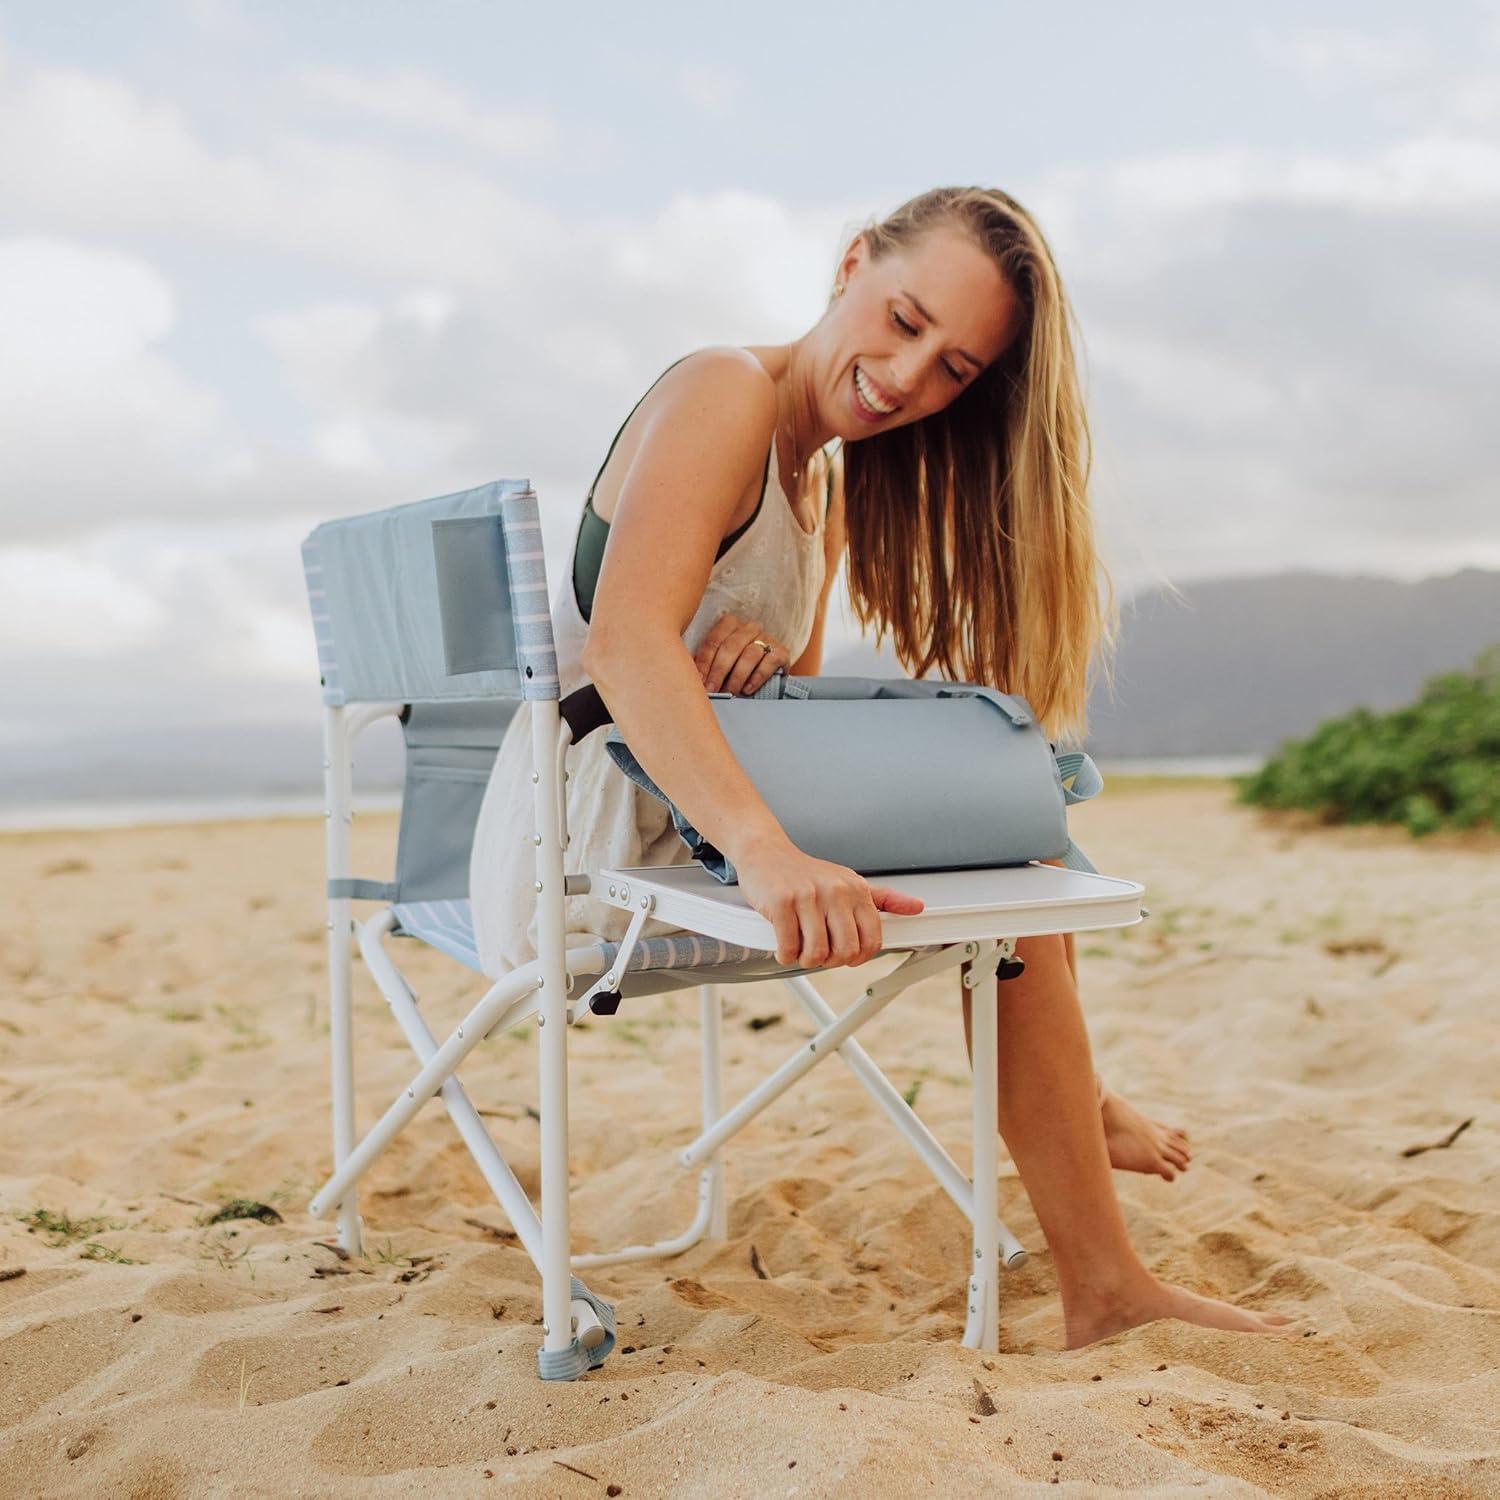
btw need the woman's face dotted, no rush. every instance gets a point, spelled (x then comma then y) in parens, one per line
(913, 331)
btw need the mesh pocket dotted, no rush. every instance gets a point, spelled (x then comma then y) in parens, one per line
(439, 809)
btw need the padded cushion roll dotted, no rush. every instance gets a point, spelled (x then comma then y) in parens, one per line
(907, 780)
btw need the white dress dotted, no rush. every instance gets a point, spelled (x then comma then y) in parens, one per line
(773, 573)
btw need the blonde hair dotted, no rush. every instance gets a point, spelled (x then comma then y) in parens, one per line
(970, 539)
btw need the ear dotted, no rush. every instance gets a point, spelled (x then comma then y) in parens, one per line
(854, 257)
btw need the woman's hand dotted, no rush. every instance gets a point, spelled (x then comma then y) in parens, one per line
(737, 656)
(825, 915)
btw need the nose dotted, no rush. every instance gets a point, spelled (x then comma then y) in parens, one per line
(901, 380)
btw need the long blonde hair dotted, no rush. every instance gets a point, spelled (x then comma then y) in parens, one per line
(970, 539)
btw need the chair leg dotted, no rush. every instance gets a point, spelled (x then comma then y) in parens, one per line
(927, 1146)
(569, 1348)
(341, 1045)
(982, 1327)
(338, 811)
(711, 1029)
(712, 1216)
(496, 1171)
(878, 995)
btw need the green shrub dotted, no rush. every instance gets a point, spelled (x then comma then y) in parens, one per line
(1432, 765)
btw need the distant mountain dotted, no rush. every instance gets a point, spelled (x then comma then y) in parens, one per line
(1247, 663)
(1239, 665)
(1242, 665)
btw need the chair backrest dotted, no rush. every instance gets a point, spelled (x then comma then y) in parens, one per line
(441, 606)
(439, 600)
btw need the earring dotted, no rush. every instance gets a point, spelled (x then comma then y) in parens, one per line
(838, 290)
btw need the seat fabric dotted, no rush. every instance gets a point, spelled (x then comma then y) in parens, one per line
(678, 961)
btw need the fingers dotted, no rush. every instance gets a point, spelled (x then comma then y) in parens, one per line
(823, 916)
(839, 925)
(867, 919)
(718, 633)
(814, 926)
(844, 939)
(898, 903)
(727, 651)
(755, 666)
(783, 917)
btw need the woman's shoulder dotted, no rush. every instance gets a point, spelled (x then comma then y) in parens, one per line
(726, 374)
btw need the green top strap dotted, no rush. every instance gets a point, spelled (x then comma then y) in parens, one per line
(593, 530)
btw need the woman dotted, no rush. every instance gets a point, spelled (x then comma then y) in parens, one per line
(959, 503)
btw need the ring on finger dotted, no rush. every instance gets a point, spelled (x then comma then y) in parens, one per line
(765, 646)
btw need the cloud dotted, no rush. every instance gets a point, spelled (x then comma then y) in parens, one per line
(424, 105)
(1290, 355)
(95, 420)
(1404, 75)
(711, 89)
(120, 163)
(140, 626)
(1332, 57)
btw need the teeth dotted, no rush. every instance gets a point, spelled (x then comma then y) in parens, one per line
(868, 396)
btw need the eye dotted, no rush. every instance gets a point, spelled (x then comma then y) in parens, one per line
(906, 327)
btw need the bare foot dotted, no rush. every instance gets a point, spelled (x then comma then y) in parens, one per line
(1139, 1144)
(1155, 1299)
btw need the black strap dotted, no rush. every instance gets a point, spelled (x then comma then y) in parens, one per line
(584, 710)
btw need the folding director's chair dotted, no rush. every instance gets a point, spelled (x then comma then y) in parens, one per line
(437, 613)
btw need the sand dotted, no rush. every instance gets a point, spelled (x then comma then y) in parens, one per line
(1309, 1002)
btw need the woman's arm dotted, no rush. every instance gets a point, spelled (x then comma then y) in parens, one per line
(703, 446)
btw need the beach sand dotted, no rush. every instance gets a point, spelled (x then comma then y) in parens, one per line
(1310, 1002)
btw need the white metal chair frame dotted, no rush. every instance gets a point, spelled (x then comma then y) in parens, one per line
(577, 1326)
(541, 990)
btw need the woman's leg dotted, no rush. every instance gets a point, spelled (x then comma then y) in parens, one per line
(1050, 1118)
(1136, 1142)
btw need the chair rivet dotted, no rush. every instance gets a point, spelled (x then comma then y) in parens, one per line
(979, 1255)
(330, 926)
(411, 1093)
(611, 890)
(645, 900)
(541, 1021)
(536, 838)
(536, 776)
(460, 1033)
(609, 980)
(538, 885)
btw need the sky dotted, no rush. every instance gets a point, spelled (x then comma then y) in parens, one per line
(263, 265)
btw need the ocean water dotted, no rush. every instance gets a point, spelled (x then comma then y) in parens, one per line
(85, 813)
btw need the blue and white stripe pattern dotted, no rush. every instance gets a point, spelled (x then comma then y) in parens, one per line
(527, 569)
(317, 599)
(687, 950)
(448, 926)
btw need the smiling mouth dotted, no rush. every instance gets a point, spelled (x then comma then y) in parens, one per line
(870, 398)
